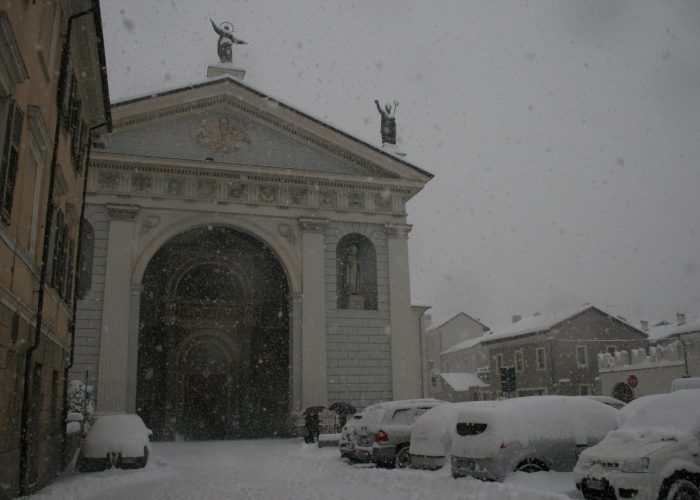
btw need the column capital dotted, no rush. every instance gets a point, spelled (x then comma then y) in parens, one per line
(122, 212)
(312, 224)
(397, 231)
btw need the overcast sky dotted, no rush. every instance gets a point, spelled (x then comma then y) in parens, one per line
(564, 135)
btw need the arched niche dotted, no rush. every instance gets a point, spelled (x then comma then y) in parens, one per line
(356, 265)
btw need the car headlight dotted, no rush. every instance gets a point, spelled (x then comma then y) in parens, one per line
(636, 465)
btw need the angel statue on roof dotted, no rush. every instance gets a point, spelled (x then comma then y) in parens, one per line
(226, 40)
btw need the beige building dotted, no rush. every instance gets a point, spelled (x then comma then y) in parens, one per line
(45, 127)
(247, 261)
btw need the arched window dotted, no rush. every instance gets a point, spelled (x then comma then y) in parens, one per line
(356, 264)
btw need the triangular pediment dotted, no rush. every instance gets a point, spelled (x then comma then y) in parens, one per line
(228, 122)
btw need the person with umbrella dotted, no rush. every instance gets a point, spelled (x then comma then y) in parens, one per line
(312, 423)
(342, 409)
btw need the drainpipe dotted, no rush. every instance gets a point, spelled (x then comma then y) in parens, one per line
(24, 486)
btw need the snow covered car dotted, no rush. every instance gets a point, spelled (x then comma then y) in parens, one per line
(654, 454)
(431, 436)
(347, 437)
(385, 431)
(115, 441)
(528, 434)
(606, 400)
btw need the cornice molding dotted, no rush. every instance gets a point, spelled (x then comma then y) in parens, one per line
(397, 231)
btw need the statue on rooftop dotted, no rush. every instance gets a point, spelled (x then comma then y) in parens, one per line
(388, 129)
(226, 40)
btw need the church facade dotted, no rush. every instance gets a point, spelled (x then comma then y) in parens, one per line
(242, 261)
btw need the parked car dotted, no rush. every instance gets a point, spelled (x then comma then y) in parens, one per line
(385, 431)
(685, 383)
(654, 454)
(528, 434)
(348, 435)
(431, 436)
(115, 441)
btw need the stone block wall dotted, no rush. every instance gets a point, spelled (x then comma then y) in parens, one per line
(358, 342)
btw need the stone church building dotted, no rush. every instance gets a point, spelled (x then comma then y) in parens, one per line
(242, 261)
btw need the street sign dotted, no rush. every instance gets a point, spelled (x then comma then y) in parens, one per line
(632, 381)
(508, 379)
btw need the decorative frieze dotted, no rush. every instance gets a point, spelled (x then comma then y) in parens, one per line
(192, 183)
(397, 231)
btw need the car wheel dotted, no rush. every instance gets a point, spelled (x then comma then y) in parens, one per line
(402, 459)
(143, 461)
(680, 487)
(531, 465)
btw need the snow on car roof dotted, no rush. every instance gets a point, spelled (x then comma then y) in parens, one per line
(528, 419)
(675, 415)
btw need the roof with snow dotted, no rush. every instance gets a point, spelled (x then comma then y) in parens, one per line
(533, 324)
(665, 329)
(461, 382)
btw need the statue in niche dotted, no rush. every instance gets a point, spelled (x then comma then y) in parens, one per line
(353, 280)
(226, 40)
(388, 129)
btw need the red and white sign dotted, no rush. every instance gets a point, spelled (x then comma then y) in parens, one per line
(632, 381)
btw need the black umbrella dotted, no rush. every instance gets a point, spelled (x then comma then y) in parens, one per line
(313, 410)
(342, 408)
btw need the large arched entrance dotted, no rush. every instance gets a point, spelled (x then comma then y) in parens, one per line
(213, 360)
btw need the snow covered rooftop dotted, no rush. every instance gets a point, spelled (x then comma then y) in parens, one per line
(461, 382)
(666, 329)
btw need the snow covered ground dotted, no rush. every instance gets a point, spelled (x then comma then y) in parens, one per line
(273, 469)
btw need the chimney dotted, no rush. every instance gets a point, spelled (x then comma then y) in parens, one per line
(680, 318)
(645, 325)
(516, 318)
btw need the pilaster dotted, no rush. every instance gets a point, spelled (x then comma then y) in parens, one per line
(112, 384)
(314, 376)
(405, 336)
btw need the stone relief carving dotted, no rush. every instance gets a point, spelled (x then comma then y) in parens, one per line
(356, 199)
(206, 188)
(149, 223)
(298, 196)
(327, 199)
(383, 201)
(237, 191)
(141, 183)
(268, 194)
(108, 181)
(174, 186)
(219, 134)
(287, 232)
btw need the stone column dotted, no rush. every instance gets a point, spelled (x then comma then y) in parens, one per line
(314, 386)
(295, 354)
(114, 347)
(405, 339)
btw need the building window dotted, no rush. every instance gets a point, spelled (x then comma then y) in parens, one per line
(610, 349)
(61, 273)
(581, 356)
(12, 119)
(519, 363)
(540, 357)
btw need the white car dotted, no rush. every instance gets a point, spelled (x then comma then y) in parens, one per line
(115, 441)
(654, 454)
(527, 434)
(348, 434)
